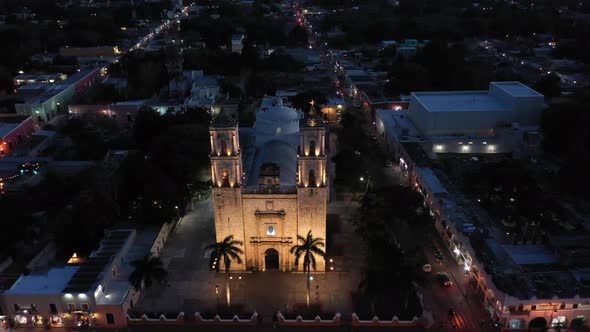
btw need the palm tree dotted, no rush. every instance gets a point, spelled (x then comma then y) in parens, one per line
(146, 271)
(308, 248)
(226, 250)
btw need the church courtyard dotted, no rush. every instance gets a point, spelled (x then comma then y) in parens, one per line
(191, 286)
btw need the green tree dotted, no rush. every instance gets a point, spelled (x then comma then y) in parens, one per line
(307, 250)
(147, 270)
(226, 250)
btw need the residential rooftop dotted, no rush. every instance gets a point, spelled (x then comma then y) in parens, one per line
(47, 282)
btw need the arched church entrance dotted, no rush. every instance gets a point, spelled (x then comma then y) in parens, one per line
(538, 323)
(271, 259)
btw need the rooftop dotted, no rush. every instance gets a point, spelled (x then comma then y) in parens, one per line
(90, 271)
(49, 282)
(458, 101)
(516, 89)
(484, 100)
(6, 128)
(434, 185)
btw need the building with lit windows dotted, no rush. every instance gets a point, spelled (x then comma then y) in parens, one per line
(91, 291)
(521, 285)
(270, 183)
(44, 101)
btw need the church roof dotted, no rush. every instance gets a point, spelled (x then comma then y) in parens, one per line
(279, 152)
(278, 113)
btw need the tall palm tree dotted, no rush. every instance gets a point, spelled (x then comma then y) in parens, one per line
(226, 250)
(146, 271)
(308, 248)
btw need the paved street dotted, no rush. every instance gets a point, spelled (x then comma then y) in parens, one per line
(470, 315)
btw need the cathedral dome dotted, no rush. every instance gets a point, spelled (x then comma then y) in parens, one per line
(279, 120)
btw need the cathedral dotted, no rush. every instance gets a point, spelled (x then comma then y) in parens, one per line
(269, 183)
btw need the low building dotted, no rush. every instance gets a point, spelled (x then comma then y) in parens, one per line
(38, 78)
(90, 292)
(89, 51)
(14, 130)
(44, 101)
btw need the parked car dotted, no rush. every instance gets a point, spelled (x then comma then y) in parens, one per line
(444, 279)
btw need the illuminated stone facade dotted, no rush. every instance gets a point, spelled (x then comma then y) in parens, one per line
(271, 189)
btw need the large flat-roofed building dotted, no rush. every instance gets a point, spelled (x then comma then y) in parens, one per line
(475, 112)
(504, 119)
(269, 183)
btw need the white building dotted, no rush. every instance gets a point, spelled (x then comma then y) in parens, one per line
(85, 292)
(503, 119)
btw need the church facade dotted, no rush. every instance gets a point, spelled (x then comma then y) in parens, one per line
(270, 184)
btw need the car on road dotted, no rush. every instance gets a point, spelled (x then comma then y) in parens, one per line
(444, 279)
(427, 268)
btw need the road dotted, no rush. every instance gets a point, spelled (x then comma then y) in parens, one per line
(469, 312)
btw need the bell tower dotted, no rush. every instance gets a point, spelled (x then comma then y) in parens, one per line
(226, 158)
(226, 182)
(312, 181)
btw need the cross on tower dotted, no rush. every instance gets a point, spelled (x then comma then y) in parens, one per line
(312, 108)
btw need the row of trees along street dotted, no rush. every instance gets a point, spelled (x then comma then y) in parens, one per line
(391, 220)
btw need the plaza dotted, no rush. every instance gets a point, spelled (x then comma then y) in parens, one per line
(192, 287)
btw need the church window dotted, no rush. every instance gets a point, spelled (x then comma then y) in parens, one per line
(223, 144)
(225, 178)
(312, 147)
(311, 178)
(271, 230)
